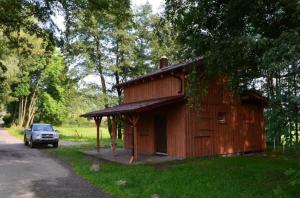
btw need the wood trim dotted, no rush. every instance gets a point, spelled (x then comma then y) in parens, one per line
(98, 123)
(133, 119)
(114, 134)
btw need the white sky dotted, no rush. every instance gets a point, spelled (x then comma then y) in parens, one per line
(157, 5)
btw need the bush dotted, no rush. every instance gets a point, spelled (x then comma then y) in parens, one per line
(8, 120)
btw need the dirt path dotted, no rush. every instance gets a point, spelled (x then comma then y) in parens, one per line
(26, 172)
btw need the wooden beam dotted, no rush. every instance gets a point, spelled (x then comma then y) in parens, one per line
(134, 153)
(98, 123)
(135, 141)
(132, 145)
(113, 135)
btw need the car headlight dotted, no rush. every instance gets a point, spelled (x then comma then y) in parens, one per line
(37, 135)
(56, 135)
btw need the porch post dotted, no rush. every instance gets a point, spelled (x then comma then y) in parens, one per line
(113, 135)
(135, 140)
(98, 122)
(134, 121)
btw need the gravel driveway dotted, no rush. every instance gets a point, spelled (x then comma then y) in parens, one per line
(27, 173)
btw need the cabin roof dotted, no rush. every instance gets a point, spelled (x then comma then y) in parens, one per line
(254, 97)
(164, 70)
(135, 107)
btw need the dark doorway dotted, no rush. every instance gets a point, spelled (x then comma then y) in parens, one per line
(161, 133)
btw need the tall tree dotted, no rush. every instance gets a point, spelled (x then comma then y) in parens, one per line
(252, 42)
(93, 34)
(53, 92)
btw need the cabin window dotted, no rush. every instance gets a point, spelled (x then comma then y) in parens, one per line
(222, 117)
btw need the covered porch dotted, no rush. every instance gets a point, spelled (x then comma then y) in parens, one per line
(130, 114)
(122, 156)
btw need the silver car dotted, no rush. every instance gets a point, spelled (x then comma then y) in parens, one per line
(41, 134)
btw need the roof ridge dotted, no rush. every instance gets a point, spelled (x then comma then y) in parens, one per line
(162, 71)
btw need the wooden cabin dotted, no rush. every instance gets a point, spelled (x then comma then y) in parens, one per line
(158, 119)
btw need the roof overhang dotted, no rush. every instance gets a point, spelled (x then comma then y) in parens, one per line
(135, 107)
(254, 97)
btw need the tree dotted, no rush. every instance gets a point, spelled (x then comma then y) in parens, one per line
(154, 37)
(3, 69)
(249, 42)
(52, 92)
(92, 35)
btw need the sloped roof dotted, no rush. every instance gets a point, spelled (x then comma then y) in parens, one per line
(135, 107)
(164, 70)
(254, 97)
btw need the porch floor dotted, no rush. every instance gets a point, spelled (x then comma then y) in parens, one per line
(123, 156)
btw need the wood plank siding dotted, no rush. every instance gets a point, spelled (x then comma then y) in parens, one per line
(198, 131)
(175, 132)
(242, 130)
(159, 87)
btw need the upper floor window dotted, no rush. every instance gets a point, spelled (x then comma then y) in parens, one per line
(222, 117)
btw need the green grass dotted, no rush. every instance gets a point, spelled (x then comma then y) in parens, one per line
(242, 176)
(76, 134)
(16, 132)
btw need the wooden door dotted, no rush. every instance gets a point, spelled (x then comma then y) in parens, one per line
(161, 133)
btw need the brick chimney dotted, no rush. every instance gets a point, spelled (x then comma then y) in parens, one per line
(163, 62)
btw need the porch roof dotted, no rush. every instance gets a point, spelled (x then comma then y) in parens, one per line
(135, 107)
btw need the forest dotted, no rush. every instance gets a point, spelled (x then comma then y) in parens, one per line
(44, 67)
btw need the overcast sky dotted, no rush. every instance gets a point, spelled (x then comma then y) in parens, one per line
(157, 5)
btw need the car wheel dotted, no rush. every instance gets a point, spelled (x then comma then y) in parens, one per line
(31, 143)
(25, 141)
(55, 145)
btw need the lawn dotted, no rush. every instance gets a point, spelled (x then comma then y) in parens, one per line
(16, 132)
(240, 176)
(86, 134)
(76, 134)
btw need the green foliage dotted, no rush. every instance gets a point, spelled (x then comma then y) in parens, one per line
(8, 120)
(23, 87)
(28, 16)
(197, 88)
(255, 44)
(17, 132)
(3, 85)
(52, 111)
(154, 38)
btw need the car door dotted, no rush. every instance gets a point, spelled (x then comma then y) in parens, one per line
(28, 132)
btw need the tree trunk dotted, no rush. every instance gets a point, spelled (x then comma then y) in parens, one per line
(119, 91)
(22, 111)
(31, 109)
(290, 134)
(296, 108)
(103, 83)
(296, 132)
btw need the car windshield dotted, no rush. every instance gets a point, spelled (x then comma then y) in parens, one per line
(42, 128)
